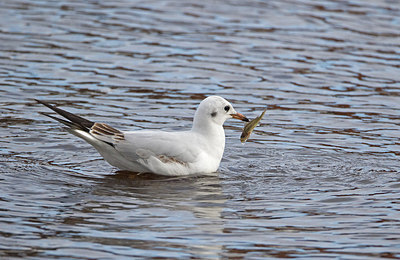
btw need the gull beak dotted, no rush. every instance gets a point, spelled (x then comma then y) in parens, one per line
(240, 117)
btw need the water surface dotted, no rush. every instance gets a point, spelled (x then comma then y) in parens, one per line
(319, 178)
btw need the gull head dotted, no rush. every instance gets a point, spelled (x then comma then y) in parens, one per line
(217, 110)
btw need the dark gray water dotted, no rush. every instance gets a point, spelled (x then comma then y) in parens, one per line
(320, 178)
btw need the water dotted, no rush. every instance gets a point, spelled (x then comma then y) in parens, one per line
(318, 179)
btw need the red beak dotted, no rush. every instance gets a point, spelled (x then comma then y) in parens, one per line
(240, 117)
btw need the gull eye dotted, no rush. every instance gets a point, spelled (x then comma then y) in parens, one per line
(226, 108)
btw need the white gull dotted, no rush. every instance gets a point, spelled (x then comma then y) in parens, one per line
(197, 151)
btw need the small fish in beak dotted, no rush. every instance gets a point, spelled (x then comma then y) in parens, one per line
(249, 127)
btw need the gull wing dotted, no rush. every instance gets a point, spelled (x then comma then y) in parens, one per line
(90, 131)
(167, 147)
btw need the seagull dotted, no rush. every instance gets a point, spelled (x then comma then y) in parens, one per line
(195, 151)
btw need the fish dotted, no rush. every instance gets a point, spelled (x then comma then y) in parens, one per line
(249, 127)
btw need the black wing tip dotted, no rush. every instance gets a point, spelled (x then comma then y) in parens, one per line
(74, 120)
(52, 107)
(65, 122)
(42, 102)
